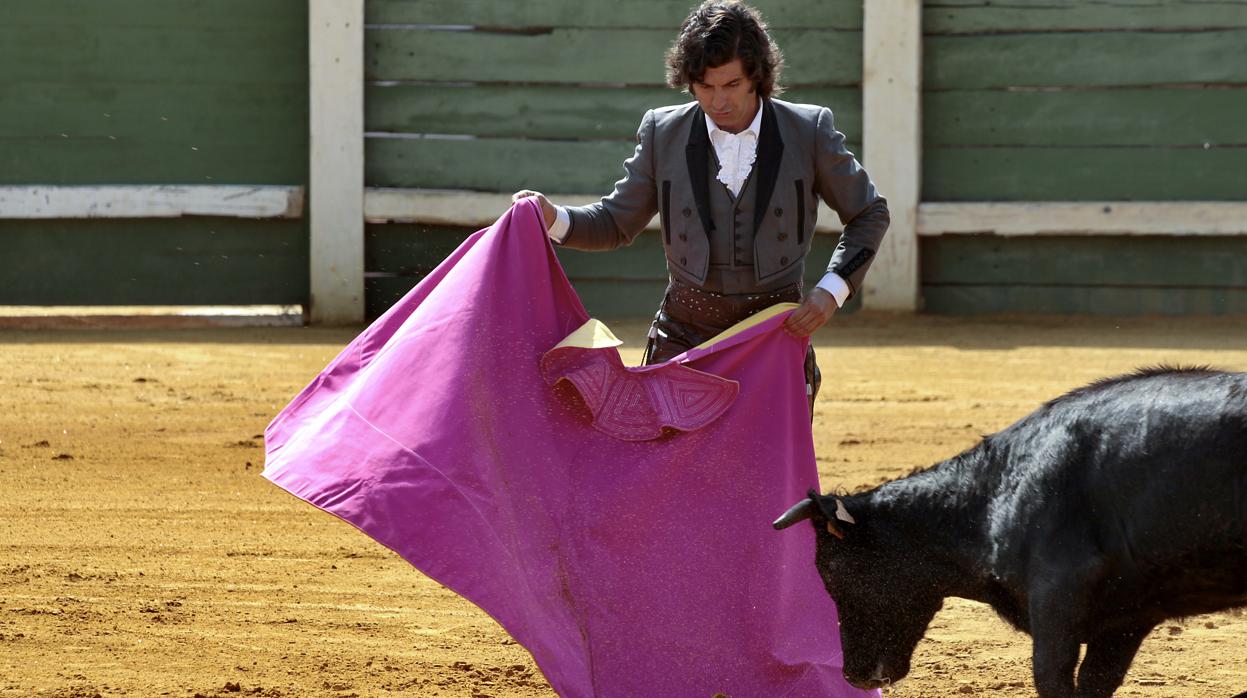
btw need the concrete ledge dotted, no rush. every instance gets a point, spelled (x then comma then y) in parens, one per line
(1084, 218)
(137, 201)
(27, 317)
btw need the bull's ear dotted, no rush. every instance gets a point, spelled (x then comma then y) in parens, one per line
(836, 515)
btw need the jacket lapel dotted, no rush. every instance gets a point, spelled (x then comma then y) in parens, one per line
(770, 152)
(697, 152)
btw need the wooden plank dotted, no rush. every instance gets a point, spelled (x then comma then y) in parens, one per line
(1097, 218)
(983, 16)
(513, 164)
(194, 261)
(1119, 117)
(478, 209)
(409, 250)
(649, 14)
(892, 115)
(91, 161)
(593, 56)
(151, 202)
(555, 111)
(415, 250)
(172, 113)
(1056, 260)
(336, 156)
(185, 54)
(164, 14)
(495, 164)
(1085, 59)
(1083, 300)
(1084, 174)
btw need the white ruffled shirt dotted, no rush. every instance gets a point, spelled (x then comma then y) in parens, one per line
(736, 153)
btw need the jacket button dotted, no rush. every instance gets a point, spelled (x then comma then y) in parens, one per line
(783, 260)
(783, 236)
(779, 212)
(684, 261)
(683, 237)
(688, 212)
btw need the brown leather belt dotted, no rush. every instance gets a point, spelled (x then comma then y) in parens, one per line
(714, 312)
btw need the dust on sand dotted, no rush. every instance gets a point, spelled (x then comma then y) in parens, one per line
(142, 554)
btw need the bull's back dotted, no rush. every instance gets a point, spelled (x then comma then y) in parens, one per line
(1157, 484)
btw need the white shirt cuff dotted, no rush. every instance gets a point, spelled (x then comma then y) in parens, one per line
(561, 226)
(836, 286)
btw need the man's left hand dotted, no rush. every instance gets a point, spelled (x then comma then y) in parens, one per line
(813, 313)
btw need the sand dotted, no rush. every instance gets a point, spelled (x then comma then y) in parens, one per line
(141, 553)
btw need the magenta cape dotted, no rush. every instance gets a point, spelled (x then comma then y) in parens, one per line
(630, 559)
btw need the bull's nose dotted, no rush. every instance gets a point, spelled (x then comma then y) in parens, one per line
(876, 680)
(867, 683)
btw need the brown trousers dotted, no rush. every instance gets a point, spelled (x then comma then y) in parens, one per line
(689, 316)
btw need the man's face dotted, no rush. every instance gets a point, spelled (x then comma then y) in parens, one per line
(727, 96)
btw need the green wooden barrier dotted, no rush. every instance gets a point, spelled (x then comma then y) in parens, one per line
(180, 92)
(153, 92)
(1117, 275)
(199, 261)
(652, 14)
(1072, 101)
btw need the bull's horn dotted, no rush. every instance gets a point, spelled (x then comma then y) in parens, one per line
(803, 510)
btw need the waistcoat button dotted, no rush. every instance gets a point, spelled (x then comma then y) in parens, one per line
(779, 212)
(783, 236)
(683, 237)
(688, 212)
(783, 260)
(684, 261)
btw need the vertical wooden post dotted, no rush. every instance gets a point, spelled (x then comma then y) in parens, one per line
(336, 65)
(892, 141)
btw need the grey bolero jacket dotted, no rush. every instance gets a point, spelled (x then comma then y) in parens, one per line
(800, 156)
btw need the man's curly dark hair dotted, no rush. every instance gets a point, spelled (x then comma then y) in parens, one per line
(715, 33)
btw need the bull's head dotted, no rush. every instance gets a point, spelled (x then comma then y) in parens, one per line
(882, 597)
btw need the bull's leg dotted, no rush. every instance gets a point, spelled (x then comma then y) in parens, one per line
(1108, 658)
(1054, 652)
(1053, 658)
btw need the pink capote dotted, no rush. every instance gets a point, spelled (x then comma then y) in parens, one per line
(626, 567)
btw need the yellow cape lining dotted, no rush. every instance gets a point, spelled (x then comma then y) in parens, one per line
(591, 335)
(594, 334)
(755, 319)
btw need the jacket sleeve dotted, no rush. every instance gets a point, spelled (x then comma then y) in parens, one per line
(847, 189)
(619, 217)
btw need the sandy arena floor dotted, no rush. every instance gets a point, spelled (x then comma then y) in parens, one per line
(142, 554)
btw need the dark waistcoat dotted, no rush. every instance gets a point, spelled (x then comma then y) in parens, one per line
(731, 243)
(715, 245)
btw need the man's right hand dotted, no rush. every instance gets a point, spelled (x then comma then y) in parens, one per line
(547, 208)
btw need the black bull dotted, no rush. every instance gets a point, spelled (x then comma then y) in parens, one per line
(1091, 520)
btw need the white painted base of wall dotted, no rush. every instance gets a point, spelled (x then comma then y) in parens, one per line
(138, 201)
(31, 317)
(1089, 218)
